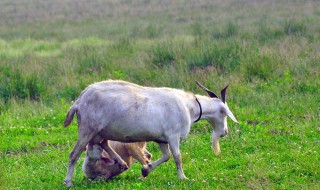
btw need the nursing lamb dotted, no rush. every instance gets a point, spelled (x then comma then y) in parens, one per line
(98, 165)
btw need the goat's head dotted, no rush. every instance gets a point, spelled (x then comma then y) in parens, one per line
(218, 118)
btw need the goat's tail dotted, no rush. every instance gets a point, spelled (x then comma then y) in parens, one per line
(70, 115)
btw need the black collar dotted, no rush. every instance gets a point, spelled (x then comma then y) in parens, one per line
(200, 110)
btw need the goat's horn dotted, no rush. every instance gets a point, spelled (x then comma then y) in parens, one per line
(223, 94)
(210, 93)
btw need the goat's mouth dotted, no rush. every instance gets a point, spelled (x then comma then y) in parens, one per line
(223, 135)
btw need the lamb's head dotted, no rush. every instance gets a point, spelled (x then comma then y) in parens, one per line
(94, 151)
(218, 117)
(97, 165)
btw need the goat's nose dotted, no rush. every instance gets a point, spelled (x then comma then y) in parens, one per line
(225, 133)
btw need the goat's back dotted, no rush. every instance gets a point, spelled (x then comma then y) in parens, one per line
(127, 112)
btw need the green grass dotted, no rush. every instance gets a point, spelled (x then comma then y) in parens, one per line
(51, 50)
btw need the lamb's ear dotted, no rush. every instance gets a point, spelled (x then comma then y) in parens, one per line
(223, 94)
(210, 93)
(89, 146)
(108, 161)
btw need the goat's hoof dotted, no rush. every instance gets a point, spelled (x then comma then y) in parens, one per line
(68, 183)
(145, 171)
(141, 178)
(183, 178)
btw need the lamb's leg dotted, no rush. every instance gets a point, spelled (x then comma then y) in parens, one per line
(113, 155)
(165, 157)
(147, 154)
(139, 154)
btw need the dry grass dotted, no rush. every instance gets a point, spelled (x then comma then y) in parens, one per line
(22, 18)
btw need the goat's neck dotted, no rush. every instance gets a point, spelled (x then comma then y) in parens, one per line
(207, 105)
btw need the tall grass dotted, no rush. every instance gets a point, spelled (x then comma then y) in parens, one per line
(16, 85)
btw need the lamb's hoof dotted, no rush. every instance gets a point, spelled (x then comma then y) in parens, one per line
(68, 183)
(123, 166)
(145, 171)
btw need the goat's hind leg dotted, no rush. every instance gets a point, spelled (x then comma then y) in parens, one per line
(165, 157)
(82, 141)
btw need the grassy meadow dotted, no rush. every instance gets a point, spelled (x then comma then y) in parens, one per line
(268, 51)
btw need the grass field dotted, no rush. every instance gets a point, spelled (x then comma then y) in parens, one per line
(268, 51)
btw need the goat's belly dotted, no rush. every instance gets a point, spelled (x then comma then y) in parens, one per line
(129, 135)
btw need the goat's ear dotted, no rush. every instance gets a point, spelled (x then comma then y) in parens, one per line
(223, 94)
(210, 93)
(230, 114)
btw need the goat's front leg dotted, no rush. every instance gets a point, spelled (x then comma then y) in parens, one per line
(174, 147)
(165, 157)
(114, 155)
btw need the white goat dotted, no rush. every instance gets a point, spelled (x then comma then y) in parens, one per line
(126, 112)
(98, 165)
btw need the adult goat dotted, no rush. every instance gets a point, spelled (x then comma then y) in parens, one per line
(126, 112)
